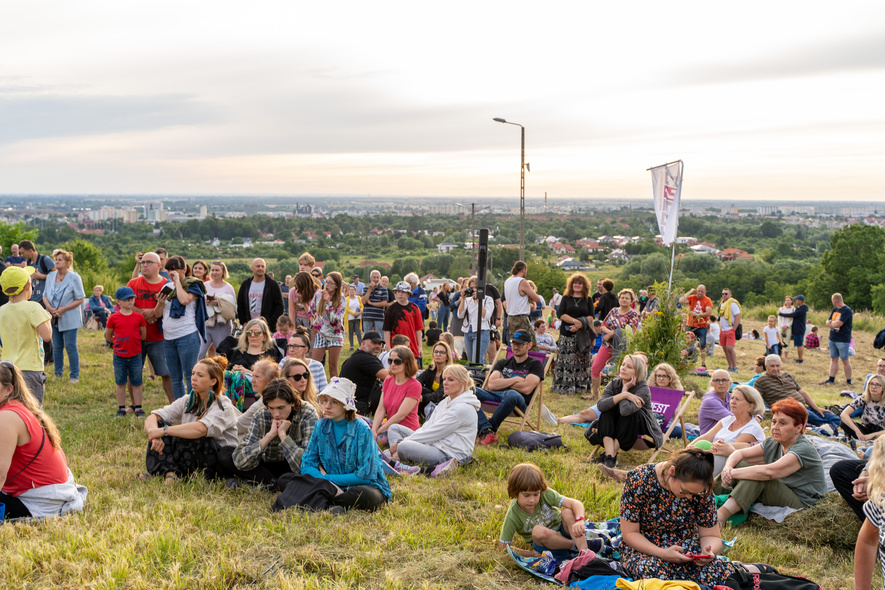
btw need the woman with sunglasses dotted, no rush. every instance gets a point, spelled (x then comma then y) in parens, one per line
(431, 379)
(299, 348)
(327, 311)
(254, 342)
(221, 304)
(188, 435)
(280, 430)
(668, 521)
(400, 394)
(33, 469)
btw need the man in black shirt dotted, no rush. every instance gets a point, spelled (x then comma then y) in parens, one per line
(366, 371)
(511, 384)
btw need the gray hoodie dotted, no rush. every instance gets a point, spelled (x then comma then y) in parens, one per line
(451, 427)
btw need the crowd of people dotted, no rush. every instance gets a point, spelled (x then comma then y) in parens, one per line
(256, 396)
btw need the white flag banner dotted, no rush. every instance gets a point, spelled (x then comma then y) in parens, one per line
(667, 187)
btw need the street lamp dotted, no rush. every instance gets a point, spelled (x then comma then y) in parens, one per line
(522, 168)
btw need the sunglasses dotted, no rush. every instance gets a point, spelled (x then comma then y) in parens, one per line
(397, 361)
(254, 333)
(299, 376)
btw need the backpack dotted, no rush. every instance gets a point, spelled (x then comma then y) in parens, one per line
(748, 581)
(738, 332)
(533, 441)
(879, 342)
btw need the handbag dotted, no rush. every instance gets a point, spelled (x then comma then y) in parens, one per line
(531, 440)
(879, 342)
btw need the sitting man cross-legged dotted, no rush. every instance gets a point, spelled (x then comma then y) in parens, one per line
(511, 385)
(776, 384)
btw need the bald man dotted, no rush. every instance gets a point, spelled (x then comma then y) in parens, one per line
(147, 284)
(260, 297)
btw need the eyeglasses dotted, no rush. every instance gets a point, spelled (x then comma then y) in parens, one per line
(518, 343)
(721, 380)
(397, 361)
(291, 346)
(299, 376)
(254, 333)
(439, 352)
(665, 376)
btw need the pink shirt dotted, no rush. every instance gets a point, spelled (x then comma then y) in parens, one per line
(393, 396)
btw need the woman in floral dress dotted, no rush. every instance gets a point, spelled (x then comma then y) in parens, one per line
(327, 312)
(668, 521)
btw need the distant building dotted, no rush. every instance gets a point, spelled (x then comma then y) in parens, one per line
(250, 209)
(446, 247)
(730, 254)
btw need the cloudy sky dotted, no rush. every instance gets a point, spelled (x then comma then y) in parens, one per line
(762, 100)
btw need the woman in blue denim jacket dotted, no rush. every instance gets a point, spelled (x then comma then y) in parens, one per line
(342, 445)
(62, 297)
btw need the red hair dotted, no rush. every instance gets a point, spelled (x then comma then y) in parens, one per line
(793, 409)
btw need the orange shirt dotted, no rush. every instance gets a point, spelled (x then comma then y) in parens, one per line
(699, 305)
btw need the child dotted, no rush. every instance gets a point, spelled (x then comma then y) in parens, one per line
(544, 518)
(432, 334)
(812, 340)
(713, 331)
(284, 328)
(126, 330)
(690, 352)
(773, 339)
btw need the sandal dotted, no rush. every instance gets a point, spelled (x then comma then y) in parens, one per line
(139, 412)
(588, 397)
(611, 472)
(170, 478)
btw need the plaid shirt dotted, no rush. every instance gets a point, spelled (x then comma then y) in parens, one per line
(774, 389)
(248, 453)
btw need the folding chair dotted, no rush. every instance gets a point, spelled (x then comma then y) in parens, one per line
(536, 399)
(671, 405)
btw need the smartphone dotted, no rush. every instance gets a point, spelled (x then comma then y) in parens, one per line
(697, 556)
(167, 290)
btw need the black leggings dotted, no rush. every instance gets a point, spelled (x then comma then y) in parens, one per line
(362, 498)
(625, 429)
(267, 472)
(14, 507)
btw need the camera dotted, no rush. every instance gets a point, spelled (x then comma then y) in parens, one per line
(469, 291)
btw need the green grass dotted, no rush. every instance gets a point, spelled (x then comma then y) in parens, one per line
(435, 534)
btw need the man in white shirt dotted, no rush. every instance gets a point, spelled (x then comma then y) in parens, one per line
(519, 297)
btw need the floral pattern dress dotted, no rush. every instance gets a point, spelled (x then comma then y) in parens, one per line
(615, 319)
(328, 322)
(666, 520)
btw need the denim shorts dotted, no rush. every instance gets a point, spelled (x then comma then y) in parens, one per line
(127, 369)
(701, 334)
(156, 351)
(838, 349)
(799, 340)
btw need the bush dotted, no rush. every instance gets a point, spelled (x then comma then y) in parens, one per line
(661, 336)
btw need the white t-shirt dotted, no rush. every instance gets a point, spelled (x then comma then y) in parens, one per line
(554, 301)
(353, 304)
(723, 319)
(751, 427)
(174, 328)
(256, 296)
(770, 336)
(516, 304)
(713, 333)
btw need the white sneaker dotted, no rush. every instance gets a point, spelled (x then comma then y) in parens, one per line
(548, 416)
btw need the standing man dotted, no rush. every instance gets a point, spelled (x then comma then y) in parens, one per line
(700, 308)
(376, 298)
(367, 372)
(259, 297)
(43, 265)
(799, 316)
(16, 259)
(729, 319)
(404, 317)
(519, 297)
(146, 286)
(417, 295)
(358, 285)
(555, 299)
(840, 323)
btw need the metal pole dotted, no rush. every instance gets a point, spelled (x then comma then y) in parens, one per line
(522, 196)
(473, 232)
(672, 258)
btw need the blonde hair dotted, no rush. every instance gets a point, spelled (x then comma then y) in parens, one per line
(243, 339)
(876, 468)
(867, 397)
(459, 372)
(752, 397)
(675, 382)
(444, 344)
(310, 394)
(640, 366)
(11, 376)
(68, 256)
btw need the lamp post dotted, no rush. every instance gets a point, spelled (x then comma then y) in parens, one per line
(522, 169)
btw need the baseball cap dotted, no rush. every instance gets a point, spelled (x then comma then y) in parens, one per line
(14, 279)
(124, 293)
(521, 336)
(801, 297)
(403, 286)
(341, 389)
(373, 336)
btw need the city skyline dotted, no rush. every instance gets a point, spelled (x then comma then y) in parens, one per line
(350, 99)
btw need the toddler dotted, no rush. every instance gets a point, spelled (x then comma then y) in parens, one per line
(284, 328)
(773, 339)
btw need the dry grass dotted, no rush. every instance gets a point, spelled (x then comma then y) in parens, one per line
(435, 534)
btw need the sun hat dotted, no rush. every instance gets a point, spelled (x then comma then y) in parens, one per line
(341, 389)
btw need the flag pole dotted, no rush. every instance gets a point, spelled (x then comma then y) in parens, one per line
(673, 246)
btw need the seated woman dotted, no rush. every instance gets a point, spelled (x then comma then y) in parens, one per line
(738, 431)
(342, 451)
(400, 394)
(785, 470)
(870, 540)
(546, 342)
(872, 406)
(254, 342)
(34, 473)
(299, 348)
(187, 435)
(625, 411)
(668, 521)
(100, 306)
(447, 437)
(431, 379)
(279, 433)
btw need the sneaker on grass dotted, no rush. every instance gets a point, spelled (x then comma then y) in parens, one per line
(489, 438)
(404, 469)
(445, 469)
(548, 416)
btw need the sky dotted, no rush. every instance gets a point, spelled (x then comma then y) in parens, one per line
(762, 100)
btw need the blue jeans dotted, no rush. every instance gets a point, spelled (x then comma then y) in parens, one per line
(155, 350)
(507, 400)
(442, 318)
(67, 341)
(815, 419)
(470, 343)
(373, 326)
(181, 356)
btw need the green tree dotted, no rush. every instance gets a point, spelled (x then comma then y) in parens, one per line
(852, 266)
(87, 257)
(14, 233)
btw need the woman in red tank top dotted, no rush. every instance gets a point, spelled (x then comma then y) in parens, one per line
(30, 447)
